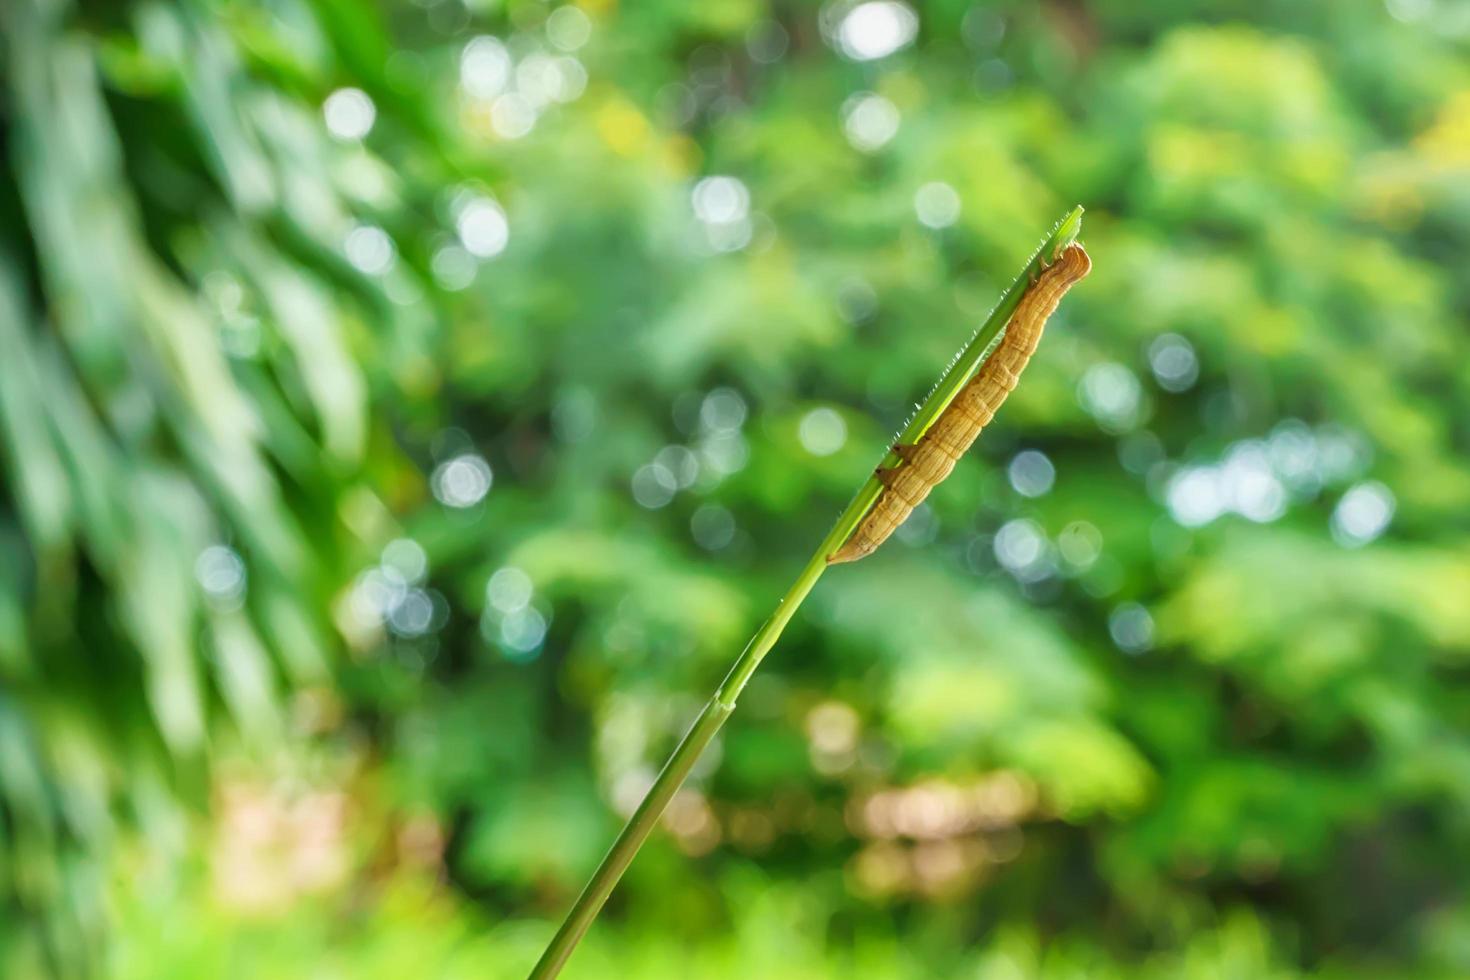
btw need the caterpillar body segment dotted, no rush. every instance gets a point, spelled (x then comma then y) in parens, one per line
(927, 462)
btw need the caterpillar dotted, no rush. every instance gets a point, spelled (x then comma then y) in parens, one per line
(923, 464)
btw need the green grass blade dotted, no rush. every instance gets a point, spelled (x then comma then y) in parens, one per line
(641, 824)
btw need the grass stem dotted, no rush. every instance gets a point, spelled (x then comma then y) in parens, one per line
(722, 704)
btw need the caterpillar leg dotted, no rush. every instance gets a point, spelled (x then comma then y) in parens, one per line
(905, 451)
(887, 474)
(1043, 266)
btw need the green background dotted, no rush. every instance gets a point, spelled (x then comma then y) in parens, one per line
(409, 410)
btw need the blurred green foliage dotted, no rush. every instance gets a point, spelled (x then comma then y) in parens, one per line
(408, 410)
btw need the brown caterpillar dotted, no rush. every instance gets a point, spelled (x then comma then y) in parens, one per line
(927, 462)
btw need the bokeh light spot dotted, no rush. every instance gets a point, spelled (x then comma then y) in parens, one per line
(1175, 366)
(1131, 627)
(712, 526)
(568, 28)
(1031, 473)
(1111, 394)
(869, 121)
(221, 574)
(369, 249)
(462, 481)
(482, 227)
(509, 589)
(1363, 513)
(876, 29)
(349, 113)
(654, 486)
(822, 432)
(937, 205)
(484, 67)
